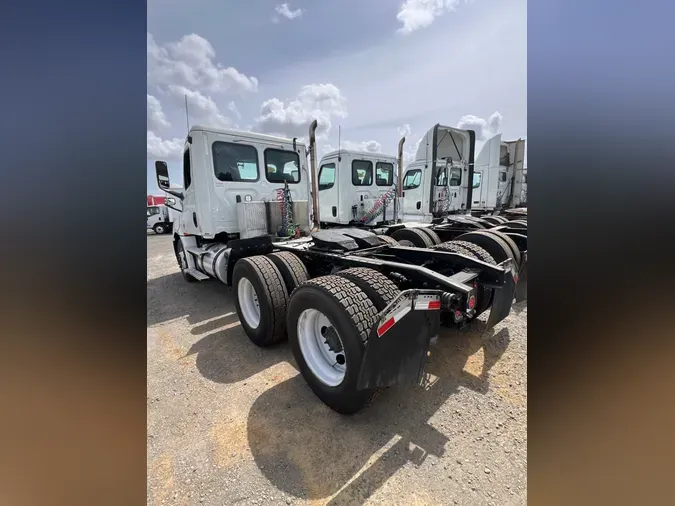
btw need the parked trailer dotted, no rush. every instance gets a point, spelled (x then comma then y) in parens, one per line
(359, 309)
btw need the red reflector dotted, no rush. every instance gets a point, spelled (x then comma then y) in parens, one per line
(385, 326)
(434, 304)
(472, 302)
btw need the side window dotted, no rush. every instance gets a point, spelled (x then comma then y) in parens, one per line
(476, 179)
(502, 177)
(282, 166)
(235, 162)
(362, 172)
(187, 171)
(326, 176)
(442, 177)
(455, 176)
(384, 174)
(412, 179)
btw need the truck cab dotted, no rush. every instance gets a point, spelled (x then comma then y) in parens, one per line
(498, 175)
(223, 168)
(157, 219)
(354, 184)
(436, 183)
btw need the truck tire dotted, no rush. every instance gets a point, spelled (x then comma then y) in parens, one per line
(511, 244)
(432, 235)
(159, 228)
(331, 306)
(494, 220)
(494, 245)
(388, 240)
(291, 268)
(378, 287)
(412, 236)
(478, 252)
(261, 299)
(182, 262)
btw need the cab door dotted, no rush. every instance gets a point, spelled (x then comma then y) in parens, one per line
(329, 203)
(413, 194)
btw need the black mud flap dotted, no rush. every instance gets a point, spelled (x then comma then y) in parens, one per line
(521, 287)
(502, 300)
(399, 341)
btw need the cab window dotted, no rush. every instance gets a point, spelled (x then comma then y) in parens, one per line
(384, 174)
(235, 162)
(455, 176)
(282, 166)
(412, 179)
(326, 176)
(362, 172)
(476, 179)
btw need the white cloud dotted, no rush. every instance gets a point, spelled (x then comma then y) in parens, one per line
(416, 14)
(285, 11)
(484, 128)
(191, 62)
(202, 109)
(322, 102)
(368, 146)
(232, 107)
(404, 131)
(159, 148)
(156, 118)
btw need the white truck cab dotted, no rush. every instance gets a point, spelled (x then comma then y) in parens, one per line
(355, 185)
(437, 181)
(498, 175)
(222, 168)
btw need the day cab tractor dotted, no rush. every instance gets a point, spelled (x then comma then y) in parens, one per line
(359, 309)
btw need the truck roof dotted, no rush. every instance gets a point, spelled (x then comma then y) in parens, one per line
(240, 133)
(368, 154)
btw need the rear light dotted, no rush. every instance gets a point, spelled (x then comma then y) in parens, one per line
(472, 302)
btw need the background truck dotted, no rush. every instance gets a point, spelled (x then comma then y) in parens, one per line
(499, 177)
(356, 187)
(159, 219)
(435, 201)
(360, 310)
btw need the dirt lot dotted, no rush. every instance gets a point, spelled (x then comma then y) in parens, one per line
(230, 423)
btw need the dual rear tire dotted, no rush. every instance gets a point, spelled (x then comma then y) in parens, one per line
(326, 320)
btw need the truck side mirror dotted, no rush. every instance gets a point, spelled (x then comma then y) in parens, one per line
(162, 171)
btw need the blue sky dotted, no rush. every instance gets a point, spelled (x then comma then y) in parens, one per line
(376, 68)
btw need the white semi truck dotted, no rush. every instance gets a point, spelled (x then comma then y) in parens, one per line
(359, 308)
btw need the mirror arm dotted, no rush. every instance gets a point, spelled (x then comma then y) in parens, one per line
(175, 194)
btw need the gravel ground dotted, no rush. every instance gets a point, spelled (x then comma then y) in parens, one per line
(230, 423)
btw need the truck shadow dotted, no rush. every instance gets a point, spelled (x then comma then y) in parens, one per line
(307, 450)
(170, 297)
(228, 356)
